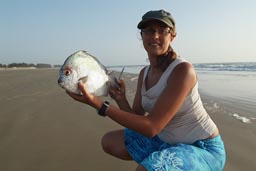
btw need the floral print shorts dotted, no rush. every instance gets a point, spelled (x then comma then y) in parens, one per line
(156, 155)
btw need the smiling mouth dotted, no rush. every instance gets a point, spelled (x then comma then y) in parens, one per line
(154, 44)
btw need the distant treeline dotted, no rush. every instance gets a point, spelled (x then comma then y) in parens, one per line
(24, 65)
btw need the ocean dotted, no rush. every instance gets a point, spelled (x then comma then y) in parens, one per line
(232, 83)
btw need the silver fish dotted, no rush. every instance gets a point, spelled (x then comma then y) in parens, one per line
(82, 66)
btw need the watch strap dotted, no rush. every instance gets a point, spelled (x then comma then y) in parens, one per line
(103, 108)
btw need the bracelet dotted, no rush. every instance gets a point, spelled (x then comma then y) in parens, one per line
(103, 108)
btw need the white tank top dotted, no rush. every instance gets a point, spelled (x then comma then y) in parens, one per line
(191, 122)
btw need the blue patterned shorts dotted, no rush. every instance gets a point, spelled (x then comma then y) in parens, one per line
(156, 155)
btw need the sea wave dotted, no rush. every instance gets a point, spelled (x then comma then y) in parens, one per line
(231, 66)
(241, 66)
(243, 118)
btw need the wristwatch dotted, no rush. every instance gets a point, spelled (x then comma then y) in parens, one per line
(103, 108)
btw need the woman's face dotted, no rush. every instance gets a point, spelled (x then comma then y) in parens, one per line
(156, 37)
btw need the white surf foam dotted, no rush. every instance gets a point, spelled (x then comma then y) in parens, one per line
(242, 118)
(134, 78)
(216, 106)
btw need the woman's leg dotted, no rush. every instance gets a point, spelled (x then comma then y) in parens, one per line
(113, 144)
(140, 168)
(203, 155)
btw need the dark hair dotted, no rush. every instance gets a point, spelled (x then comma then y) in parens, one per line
(164, 60)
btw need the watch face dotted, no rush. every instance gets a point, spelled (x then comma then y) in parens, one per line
(106, 103)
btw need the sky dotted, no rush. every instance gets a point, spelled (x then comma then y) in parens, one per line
(48, 31)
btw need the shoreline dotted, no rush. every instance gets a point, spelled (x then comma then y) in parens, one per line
(23, 68)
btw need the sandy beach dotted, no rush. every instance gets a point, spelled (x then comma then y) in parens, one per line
(43, 129)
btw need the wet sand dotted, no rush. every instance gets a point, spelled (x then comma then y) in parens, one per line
(43, 129)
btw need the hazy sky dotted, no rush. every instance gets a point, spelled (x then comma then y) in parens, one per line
(48, 31)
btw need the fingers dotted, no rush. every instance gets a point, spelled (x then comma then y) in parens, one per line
(120, 82)
(75, 96)
(113, 92)
(85, 97)
(112, 95)
(117, 92)
(120, 85)
(82, 88)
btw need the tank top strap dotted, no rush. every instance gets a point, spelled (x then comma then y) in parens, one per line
(145, 72)
(171, 67)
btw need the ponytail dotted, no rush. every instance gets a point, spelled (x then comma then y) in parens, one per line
(163, 61)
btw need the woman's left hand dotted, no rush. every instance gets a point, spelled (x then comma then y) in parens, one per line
(86, 97)
(118, 92)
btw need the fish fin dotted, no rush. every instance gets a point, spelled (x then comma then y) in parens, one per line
(110, 72)
(83, 79)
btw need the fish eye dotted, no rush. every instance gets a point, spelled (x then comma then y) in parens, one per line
(67, 72)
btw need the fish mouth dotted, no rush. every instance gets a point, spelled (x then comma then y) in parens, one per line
(61, 83)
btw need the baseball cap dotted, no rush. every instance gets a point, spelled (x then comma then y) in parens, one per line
(159, 15)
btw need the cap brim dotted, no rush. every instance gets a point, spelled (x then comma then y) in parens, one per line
(142, 23)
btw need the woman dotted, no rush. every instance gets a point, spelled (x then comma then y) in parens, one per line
(167, 128)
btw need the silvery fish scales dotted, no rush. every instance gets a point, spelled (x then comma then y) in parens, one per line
(82, 66)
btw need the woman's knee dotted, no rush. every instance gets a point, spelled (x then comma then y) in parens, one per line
(113, 144)
(106, 142)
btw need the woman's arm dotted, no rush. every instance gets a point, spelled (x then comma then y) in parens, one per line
(180, 82)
